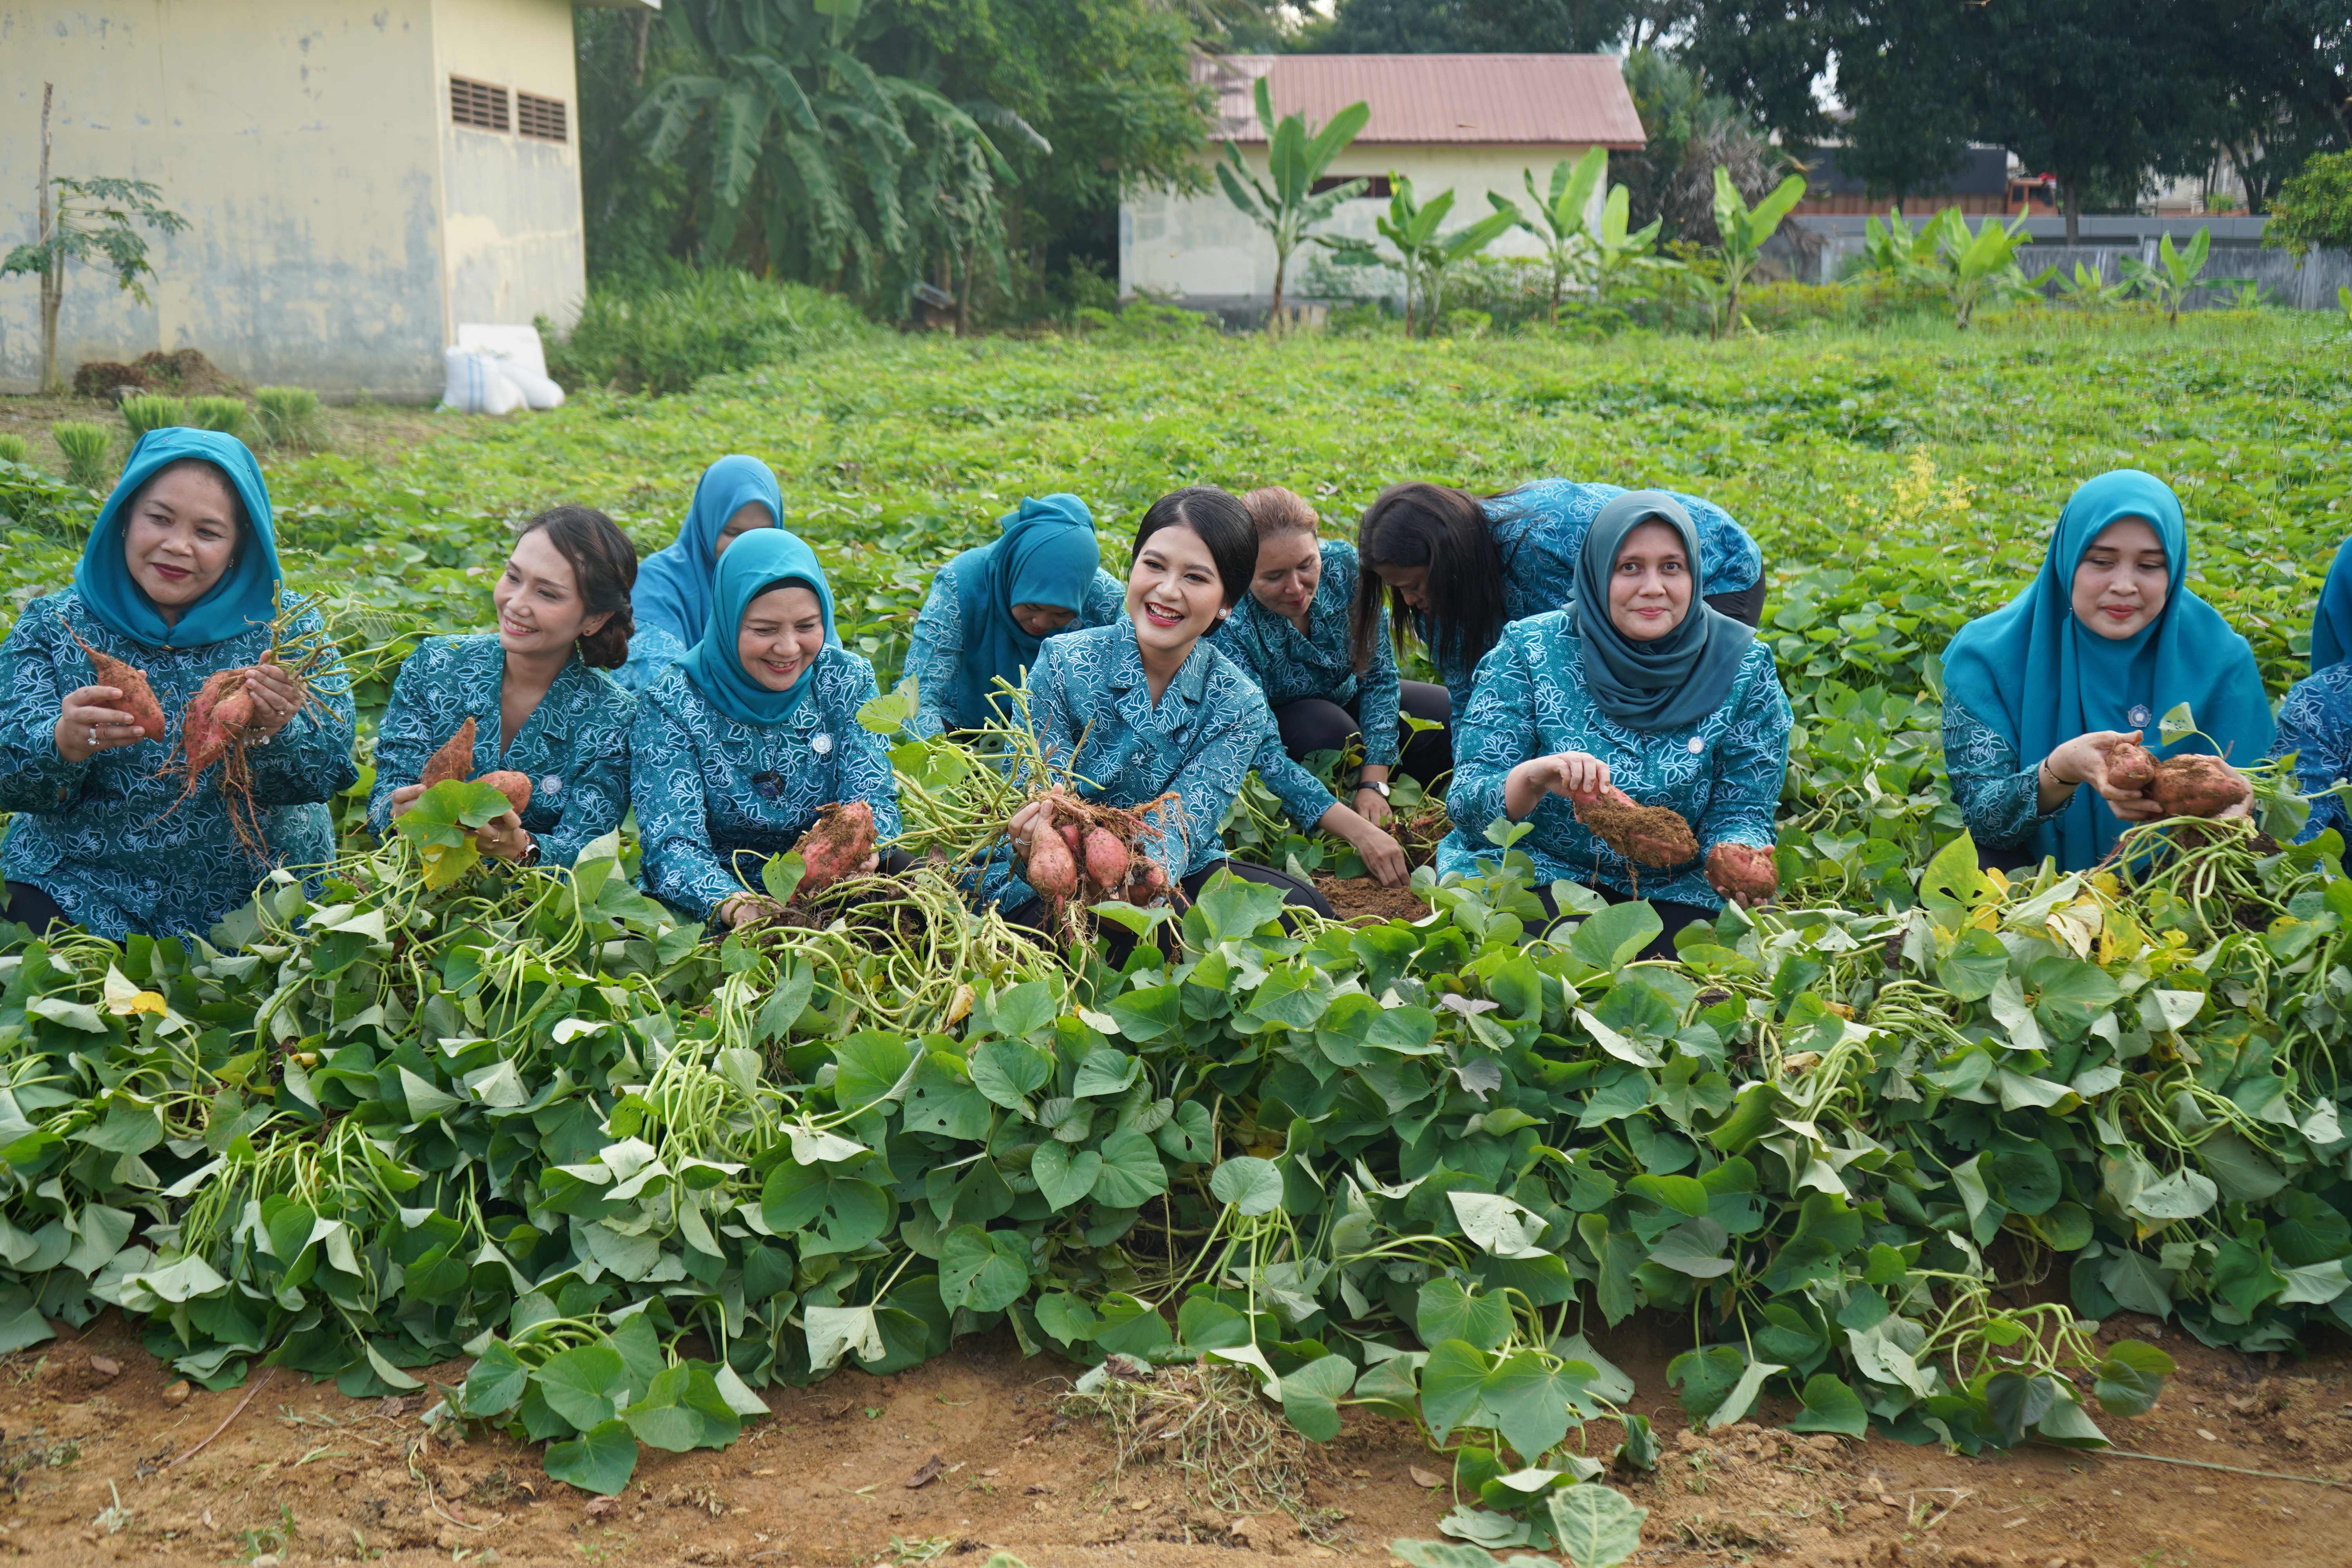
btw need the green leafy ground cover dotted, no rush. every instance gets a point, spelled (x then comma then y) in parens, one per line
(1411, 1168)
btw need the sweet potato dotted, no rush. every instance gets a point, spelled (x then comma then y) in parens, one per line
(1149, 885)
(1070, 832)
(138, 698)
(1744, 869)
(220, 711)
(1051, 869)
(2130, 765)
(455, 759)
(1106, 860)
(837, 846)
(515, 786)
(2197, 786)
(1645, 835)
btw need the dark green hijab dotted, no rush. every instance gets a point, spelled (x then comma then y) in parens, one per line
(1673, 681)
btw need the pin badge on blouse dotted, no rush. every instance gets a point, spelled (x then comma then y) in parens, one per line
(1696, 745)
(551, 784)
(821, 744)
(768, 785)
(2139, 716)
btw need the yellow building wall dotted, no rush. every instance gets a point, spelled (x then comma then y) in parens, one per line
(300, 140)
(1204, 248)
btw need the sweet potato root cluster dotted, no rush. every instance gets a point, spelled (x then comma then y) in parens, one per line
(218, 726)
(836, 847)
(2197, 786)
(1096, 851)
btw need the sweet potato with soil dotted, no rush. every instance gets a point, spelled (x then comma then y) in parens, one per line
(837, 847)
(455, 759)
(2198, 786)
(1645, 835)
(1051, 869)
(138, 698)
(1069, 832)
(1744, 869)
(2130, 765)
(515, 786)
(220, 712)
(1148, 884)
(1105, 859)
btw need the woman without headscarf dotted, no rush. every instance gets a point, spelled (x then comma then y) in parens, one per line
(737, 746)
(1464, 568)
(2101, 644)
(1641, 687)
(538, 690)
(1289, 635)
(2314, 722)
(671, 603)
(1146, 708)
(991, 609)
(179, 579)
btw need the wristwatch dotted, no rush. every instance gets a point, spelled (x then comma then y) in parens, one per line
(1380, 784)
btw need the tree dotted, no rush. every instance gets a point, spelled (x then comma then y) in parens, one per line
(1743, 230)
(1423, 254)
(1474, 26)
(1691, 134)
(2314, 208)
(1559, 215)
(1296, 155)
(95, 222)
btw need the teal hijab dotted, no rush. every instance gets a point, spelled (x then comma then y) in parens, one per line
(754, 563)
(1673, 680)
(2037, 676)
(246, 595)
(673, 589)
(1048, 554)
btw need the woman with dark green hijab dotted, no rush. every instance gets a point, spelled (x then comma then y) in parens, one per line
(1636, 689)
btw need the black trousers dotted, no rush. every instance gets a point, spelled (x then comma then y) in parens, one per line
(29, 906)
(1674, 915)
(1747, 604)
(1314, 725)
(1121, 942)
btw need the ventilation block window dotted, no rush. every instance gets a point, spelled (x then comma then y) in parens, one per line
(1376, 185)
(543, 118)
(478, 104)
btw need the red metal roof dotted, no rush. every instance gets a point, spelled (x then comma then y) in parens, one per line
(1419, 98)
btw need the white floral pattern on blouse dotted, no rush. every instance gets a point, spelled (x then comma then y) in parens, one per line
(2314, 722)
(1998, 800)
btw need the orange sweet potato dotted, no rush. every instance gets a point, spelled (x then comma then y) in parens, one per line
(2130, 765)
(1106, 860)
(1051, 869)
(138, 698)
(837, 846)
(2197, 786)
(455, 759)
(515, 786)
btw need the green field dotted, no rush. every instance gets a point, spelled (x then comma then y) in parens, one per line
(1405, 1166)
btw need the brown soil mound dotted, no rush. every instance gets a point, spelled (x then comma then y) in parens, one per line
(185, 373)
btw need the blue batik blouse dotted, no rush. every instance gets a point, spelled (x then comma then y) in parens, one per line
(105, 837)
(1199, 741)
(1999, 793)
(2314, 722)
(1539, 531)
(1291, 666)
(935, 649)
(1722, 773)
(715, 796)
(574, 747)
(652, 650)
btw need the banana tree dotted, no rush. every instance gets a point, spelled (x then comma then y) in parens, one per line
(1616, 253)
(1296, 155)
(2169, 282)
(2088, 290)
(1423, 254)
(1560, 215)
(1742, 231)
(1893, 249)
(1983, 265)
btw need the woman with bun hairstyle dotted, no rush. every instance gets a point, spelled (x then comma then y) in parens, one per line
(179, 579)
(1147, 707)
(1463, 567)
(539, 689)
(2099, 647)
(1639, 690)
(671, 603)
(738, 747)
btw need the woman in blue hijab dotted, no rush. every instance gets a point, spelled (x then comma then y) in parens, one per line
(672, 599)
(2104, 642)
(1639, 688)
(992, 608)
(179, 579)
(737, 746)
(2331, 622)
(2314, 720)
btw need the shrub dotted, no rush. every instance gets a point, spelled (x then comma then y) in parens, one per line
(88, 450)
(147, 411)
(16, 450)
(37, 500)
(291, 417)
(665, 334)
(1144, 321)
(229, 416)
(2313, 209)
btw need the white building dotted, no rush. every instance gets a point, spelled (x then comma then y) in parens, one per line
(358, 177)
(1469, 123)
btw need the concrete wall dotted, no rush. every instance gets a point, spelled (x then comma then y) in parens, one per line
(1203, 250)
(512, 202)
(300, 140)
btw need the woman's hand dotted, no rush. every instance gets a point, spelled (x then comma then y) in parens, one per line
(743, 908)
(1576, 775)
(88, 723)
(1025, 822)
(502, 838)
(1371, 804)
(1384, 858)
(405, 797)
(2083, 761)
(276, 698)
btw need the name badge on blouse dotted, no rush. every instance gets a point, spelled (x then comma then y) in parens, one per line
(767, 786)
(821, 744)
(551, 784)
(2139, 716)
(1696, 745)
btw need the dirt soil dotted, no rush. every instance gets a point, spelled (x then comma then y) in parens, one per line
(1354, 897)
(302, 1473)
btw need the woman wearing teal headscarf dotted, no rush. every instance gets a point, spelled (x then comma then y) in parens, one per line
(1639, 688)
(2104, 642)
(671, 601)
(992, 608)
(179, 579)
(736, 747)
